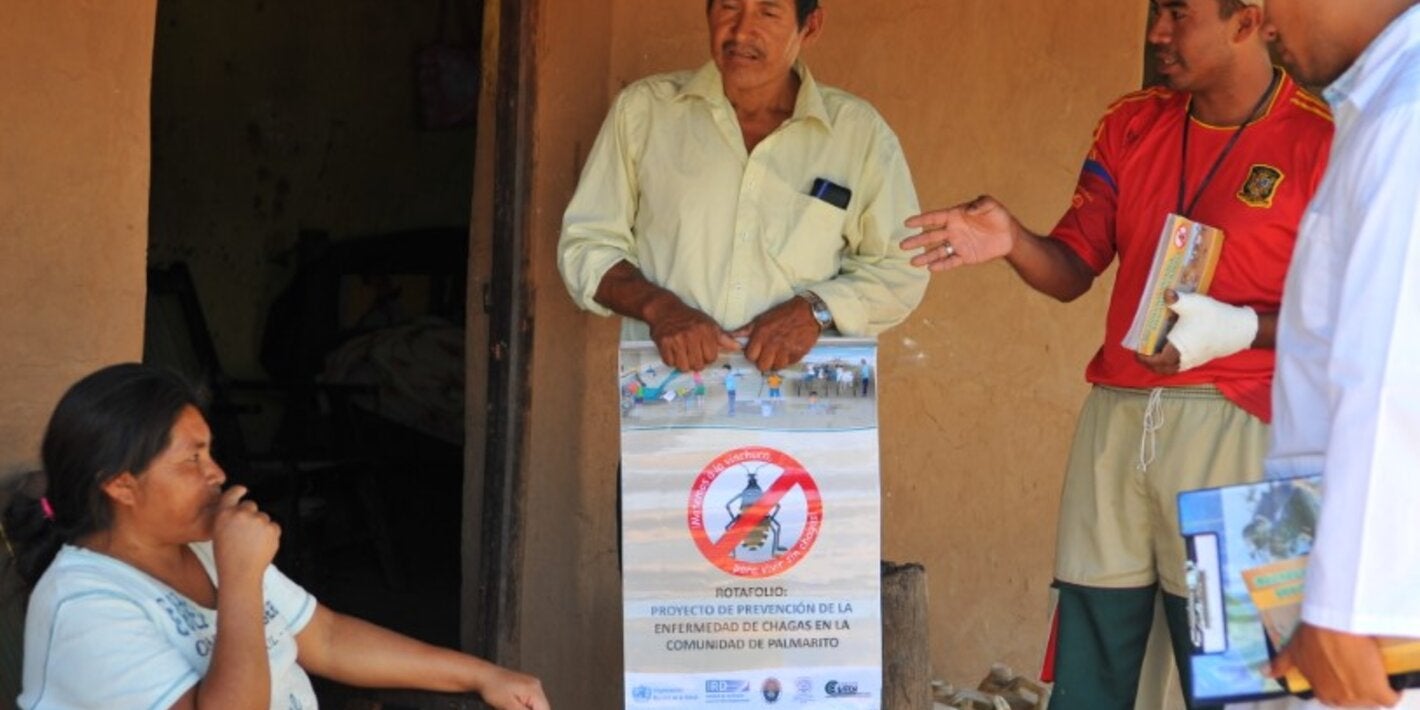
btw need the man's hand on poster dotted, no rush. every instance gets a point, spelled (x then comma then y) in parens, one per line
(687, 339)
(1345, 670)
(780, 336)
(1206, 330)
(969, 233)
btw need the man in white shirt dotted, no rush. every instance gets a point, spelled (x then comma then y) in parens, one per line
(1347, 393)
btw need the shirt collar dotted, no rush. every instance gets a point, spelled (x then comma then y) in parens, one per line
(1359, 84)
(707, 84)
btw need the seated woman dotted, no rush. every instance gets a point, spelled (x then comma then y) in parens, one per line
(153, 588)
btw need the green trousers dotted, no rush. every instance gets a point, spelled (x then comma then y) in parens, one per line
(1100, 642)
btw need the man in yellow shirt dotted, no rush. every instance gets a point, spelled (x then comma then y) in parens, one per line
(743, 201)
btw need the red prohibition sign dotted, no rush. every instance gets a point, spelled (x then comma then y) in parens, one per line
(751, 518)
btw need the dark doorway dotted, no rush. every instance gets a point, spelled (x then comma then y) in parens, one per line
(311, 196)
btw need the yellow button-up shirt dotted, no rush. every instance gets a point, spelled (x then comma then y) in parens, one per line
(669, 187)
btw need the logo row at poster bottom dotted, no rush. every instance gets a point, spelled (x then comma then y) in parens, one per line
(855, 688)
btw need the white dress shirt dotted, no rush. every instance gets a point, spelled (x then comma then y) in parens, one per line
(1346, 399)
(1347, 395)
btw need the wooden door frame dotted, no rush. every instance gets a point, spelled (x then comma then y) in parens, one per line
(496, 550)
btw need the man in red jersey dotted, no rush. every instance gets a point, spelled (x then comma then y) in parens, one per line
(1232, 143)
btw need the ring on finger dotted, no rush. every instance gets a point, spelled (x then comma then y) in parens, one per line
(948, 251)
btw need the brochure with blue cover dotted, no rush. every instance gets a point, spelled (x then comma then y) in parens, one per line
(1258, 533)
(1247, 566)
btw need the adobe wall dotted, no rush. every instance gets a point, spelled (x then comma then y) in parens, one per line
(73, 203)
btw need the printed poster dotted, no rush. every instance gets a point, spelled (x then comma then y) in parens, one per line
(750, 531)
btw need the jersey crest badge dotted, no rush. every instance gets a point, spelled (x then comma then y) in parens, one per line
(1261, 185)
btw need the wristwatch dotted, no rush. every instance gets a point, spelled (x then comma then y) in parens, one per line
(820, 310)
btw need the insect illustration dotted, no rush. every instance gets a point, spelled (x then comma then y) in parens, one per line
(767, 528)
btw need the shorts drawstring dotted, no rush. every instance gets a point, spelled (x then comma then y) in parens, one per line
(1153, 422)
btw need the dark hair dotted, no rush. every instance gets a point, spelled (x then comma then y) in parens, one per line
(802, 9)
(115, 420)
(1228, 8)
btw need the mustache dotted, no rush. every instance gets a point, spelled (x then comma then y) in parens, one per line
(741, 48)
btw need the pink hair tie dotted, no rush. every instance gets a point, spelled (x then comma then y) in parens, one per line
(47, 508)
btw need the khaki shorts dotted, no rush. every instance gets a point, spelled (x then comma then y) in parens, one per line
(1119, 520)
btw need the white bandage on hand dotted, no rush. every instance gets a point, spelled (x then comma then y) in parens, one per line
(1208, 329)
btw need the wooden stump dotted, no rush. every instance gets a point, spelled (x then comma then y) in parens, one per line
(907, 663)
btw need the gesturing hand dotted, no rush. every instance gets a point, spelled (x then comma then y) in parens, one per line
(687, 339)
(970, 233)
(1345, 670)
(510, 690)
(781, 336)
(244, 539)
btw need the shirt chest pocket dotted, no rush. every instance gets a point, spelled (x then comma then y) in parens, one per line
(808, 246)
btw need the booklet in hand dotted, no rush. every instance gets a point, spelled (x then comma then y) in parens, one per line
(1184, 262)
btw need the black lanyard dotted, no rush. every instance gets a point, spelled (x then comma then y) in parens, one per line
(1183, 168)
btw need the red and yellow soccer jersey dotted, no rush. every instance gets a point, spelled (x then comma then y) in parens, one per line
(1129, 185)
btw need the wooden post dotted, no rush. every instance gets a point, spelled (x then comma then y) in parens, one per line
(907, 665)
